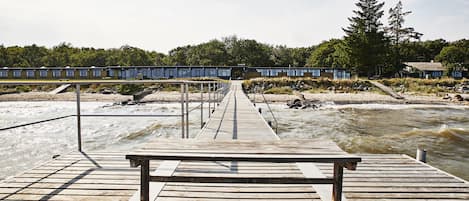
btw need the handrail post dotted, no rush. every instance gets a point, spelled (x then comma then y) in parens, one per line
(209, 100)
(78, 117)
(201, 105)
(187, 110)
(182, 111)
(216, 94)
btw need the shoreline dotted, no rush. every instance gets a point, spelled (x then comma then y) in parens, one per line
(357, 98)
(165, 97)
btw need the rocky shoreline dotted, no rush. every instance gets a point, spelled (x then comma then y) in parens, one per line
(337, 98)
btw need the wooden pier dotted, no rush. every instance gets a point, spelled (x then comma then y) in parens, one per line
(234, 128)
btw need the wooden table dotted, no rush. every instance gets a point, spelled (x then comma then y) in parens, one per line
(274, 152)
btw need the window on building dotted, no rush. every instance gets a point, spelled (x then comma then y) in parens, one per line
(30, 73)
(83, 73)
(316, 73)
(224, 72)
(16, 73)
(111, 72)
(157, 73)
(3, 73)
(264, 72)
(56, 73)
(183, 72)
(96, 72)
(70, 73)
(211, 72)
(43, 73)
(196, 72)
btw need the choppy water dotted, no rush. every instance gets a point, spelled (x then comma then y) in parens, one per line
(367, 128)
(377, 128)
(26, 147)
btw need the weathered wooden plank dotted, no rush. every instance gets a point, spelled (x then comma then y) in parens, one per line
(223, 195)
(245, 157)
(238, 199)
(236, 179)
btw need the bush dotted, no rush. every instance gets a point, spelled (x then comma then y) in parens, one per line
(304, 84)
(279, 90)
(425, 86)
(23, 88)
(129, 89)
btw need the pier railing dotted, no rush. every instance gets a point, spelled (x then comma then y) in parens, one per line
(261, 92)
(216, 91)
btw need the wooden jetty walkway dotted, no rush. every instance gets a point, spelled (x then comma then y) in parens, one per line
(235, 128)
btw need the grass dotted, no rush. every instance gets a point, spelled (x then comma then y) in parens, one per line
(277, 85)
(279, 90)
(423, 86)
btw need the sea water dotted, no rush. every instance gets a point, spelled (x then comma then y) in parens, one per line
(362, 128)
(26, 147)
(385, 129)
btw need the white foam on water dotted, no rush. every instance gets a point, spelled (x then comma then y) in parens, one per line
(23, 148)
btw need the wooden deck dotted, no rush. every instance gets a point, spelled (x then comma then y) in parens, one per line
(236, 119)
(108, 176)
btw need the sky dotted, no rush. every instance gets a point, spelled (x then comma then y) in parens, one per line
(162, 25)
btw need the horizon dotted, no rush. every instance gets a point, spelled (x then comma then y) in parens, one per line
(293, 24)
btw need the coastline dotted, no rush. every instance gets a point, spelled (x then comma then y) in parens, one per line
(337, 98)
(357, 98)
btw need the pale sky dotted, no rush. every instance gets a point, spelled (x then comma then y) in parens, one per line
(163, 25)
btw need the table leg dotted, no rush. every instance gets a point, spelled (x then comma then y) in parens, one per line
(338, 180)
(145, 180)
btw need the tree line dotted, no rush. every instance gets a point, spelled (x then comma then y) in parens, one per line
(368, 48)
(229, 51)
(371, 48)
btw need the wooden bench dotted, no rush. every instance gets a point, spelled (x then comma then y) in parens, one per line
(143, 159)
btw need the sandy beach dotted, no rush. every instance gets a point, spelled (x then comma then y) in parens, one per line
(356, 98)
(337, 98)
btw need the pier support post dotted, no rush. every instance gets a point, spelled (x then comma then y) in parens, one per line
(78, 118)
(421, 155)
(182, 111)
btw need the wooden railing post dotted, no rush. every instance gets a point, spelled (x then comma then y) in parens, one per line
(338, 179)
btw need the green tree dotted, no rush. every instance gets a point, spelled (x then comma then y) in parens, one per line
(282, 56)
(301, 55)
(399, 34)
(212, 53)
(14, 57)
(34, 55)
(365, 43)
(456, 54)
(178, 56)
(60, 55)
(325, 54)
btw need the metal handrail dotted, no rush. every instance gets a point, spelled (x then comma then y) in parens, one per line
(271, 112)
(184, 100)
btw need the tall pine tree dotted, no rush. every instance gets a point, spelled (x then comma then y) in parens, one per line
(398, 33)
(365, 42)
